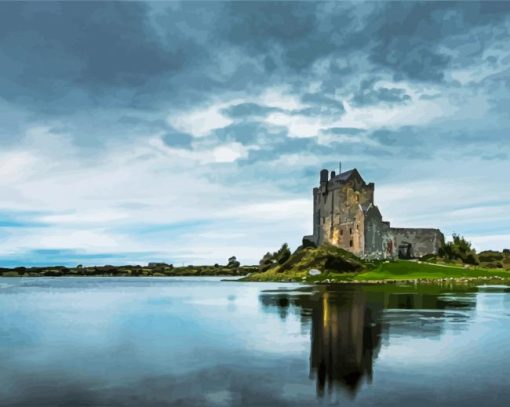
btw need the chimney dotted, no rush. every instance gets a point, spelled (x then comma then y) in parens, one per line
(324, 176)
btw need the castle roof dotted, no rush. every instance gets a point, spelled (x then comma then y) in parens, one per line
(346, 175)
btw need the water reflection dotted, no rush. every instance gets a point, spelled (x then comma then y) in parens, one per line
(203, 342)
(348, 325)
(345, 339)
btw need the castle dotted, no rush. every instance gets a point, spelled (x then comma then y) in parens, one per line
(344, 214)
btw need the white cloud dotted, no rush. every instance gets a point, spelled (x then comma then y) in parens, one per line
(15, 164)
(84, 217)
(203, 154)
(228, 153)
(491, 242)
(414, 113)
(279, 97)
(57, 238)
(299, 126)
(288, 210)
(200, 122)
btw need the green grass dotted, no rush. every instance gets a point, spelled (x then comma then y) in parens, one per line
(340, 266)
(410, 270)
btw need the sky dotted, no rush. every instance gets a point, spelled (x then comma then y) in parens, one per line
(188, 132)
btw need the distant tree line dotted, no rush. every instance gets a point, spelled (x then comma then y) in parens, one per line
(460, 249)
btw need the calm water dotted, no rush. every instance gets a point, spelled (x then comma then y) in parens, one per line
(200, 341)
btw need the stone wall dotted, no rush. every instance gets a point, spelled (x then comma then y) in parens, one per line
(377, 235)
(423, 241)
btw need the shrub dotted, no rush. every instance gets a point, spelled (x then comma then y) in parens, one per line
(490, 256)
(233, 263)
(267, 262)
(279, 257)
(282, 255)
(459, 249)
(493, 265)
(471, 259)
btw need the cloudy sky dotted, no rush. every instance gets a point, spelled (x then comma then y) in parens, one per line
(189, 132)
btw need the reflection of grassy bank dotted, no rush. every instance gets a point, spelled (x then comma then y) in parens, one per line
(154, 269)
(337, 265)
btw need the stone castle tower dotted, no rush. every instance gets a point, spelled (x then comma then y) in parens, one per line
(344, 215)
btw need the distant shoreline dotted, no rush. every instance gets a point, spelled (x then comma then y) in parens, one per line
(330, 265)
(151, 270)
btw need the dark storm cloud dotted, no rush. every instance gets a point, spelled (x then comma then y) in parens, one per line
(258, 26)
(251, 132)
(66, 56)
(316, 105)
(424, 142)
(407, 142)
(320, 105)
(178, 139)
(410, 34)
(283, 146)
(69, 57)
(403, 37)
(369, 95)
(51, 49)
(271, 141)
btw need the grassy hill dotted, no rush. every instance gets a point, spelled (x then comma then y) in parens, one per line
(326, 258)
(337, 265)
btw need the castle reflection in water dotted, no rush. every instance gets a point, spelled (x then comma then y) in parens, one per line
(348, 325)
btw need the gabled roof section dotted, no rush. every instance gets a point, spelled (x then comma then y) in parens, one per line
(347, 175)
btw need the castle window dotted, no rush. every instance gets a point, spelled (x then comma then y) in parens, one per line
(350, 231)
(341, 232)
(350, 243)
(357, 226)
(357, 197)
